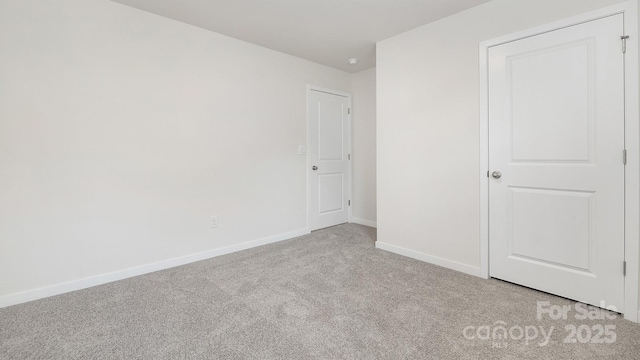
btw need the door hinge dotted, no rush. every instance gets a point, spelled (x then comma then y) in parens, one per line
(624, 156)
(349, 157)
(624, 43)
(349, 202)
(624, 268)
(349, 109)
(487, 173)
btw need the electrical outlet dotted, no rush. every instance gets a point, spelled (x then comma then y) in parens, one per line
(214, 222)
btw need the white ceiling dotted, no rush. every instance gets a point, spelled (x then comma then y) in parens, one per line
(328, 32)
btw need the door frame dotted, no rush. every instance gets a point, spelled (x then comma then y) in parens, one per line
(632, 143)
(311, 88)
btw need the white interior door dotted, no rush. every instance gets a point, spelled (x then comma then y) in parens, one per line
(556, 141)
(329, 173)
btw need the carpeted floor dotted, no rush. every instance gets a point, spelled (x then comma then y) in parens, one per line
(327, 295)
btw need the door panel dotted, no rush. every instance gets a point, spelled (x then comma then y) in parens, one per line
(549, 87)
(331, 132)
(556, 135)
(542, 240)
(331, 193)
(328, 152)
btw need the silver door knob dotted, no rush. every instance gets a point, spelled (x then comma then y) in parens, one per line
(496, 174)
(314, 168)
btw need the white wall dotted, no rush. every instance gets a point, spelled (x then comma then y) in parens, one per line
(363, 202)
(428, 128)
(122, 132)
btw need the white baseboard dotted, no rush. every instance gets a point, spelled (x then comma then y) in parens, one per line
(369, 223)
(449, 264)
(65, 287)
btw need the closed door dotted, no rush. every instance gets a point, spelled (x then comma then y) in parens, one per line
(556, 141)
(329, 178)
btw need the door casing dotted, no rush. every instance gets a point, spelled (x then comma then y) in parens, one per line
(632, 142)
(311, 88)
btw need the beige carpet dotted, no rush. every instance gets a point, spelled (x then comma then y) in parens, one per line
(328, 295)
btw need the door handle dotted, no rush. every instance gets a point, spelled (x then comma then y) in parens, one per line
(314, 168)
(496, 174)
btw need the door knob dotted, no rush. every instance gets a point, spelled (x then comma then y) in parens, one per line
(314, 168)
(496, 174)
